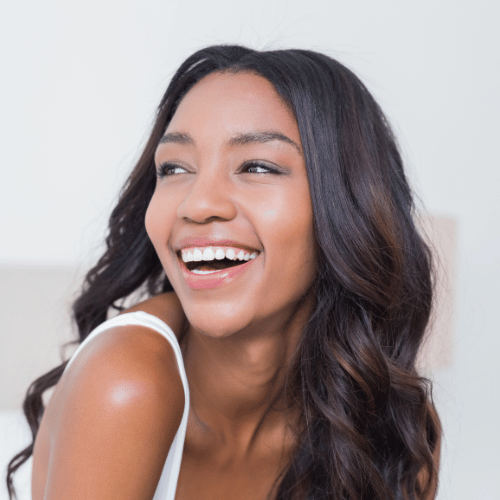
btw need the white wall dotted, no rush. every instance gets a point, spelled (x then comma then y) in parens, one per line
(80, 82)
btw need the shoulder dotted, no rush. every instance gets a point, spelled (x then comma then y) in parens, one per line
(113, 416)
(128, 356)
(122, 367)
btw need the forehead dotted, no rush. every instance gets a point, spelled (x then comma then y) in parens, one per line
(234, 103)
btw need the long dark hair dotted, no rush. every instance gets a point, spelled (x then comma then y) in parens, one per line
(367, 425)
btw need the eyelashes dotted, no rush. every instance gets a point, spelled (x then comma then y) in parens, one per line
(258, 167)
(252, 167)
(168, 169)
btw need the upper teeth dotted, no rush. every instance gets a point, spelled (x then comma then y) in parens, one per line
(216, 253)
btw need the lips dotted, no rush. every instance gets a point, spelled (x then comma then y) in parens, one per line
(210, 263)
(215, 279)
(202, 242)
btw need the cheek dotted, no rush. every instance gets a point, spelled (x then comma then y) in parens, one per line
(150, 221)
(156, 222)
(289, 220)
(290, 241)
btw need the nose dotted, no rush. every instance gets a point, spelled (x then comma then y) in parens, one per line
(208, 198)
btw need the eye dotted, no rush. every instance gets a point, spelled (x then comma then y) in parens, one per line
(258, 167)
(168, 169)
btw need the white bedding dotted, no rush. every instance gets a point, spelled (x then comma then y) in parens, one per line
(15, 435)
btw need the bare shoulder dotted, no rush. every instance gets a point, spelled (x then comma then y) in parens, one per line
(113, 416)
(165, 306)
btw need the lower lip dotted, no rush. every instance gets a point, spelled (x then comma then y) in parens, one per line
(215, 279)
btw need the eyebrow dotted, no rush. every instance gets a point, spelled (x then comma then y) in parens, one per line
(176, 138)
(237, 140)
(261, 137)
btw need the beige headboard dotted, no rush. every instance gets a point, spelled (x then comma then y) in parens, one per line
(34, 306)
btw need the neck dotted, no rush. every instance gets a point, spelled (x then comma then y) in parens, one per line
(236, 382)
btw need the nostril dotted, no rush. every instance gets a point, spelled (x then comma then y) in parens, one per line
(208, 202)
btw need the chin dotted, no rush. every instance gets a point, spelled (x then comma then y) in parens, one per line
(226, 321)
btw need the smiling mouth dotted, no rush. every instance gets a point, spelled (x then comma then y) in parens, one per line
(210, 260)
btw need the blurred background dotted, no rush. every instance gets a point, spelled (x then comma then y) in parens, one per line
(80, 84)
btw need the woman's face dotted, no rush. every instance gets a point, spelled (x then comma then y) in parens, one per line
(232, 198)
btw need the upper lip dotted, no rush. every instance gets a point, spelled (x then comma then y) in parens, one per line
(201, 242)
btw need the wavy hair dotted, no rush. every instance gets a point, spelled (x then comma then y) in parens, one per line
(368, 428)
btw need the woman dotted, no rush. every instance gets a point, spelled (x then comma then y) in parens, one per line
(270, 223)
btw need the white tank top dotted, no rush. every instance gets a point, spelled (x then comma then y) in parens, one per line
(168, 480)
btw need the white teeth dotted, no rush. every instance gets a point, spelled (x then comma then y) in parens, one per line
(187, 257)
(199, 271)
(197, 255)
(208, 254)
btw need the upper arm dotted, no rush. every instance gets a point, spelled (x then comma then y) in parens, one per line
(114, 418)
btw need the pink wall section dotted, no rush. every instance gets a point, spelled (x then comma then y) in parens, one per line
(437, 350)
